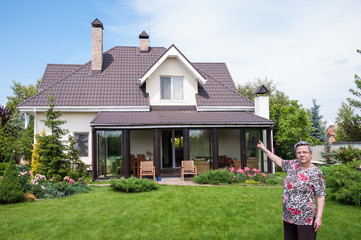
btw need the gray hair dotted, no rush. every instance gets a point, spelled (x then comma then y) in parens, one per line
(303, 143)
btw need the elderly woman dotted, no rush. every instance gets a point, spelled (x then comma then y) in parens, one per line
(304, 182)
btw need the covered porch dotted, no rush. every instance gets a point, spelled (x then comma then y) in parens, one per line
(168, 137)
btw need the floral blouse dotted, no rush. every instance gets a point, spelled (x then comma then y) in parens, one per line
(300, 189)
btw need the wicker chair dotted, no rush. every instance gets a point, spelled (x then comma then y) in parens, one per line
(147, 169)
(188, 168)
(237, 164)
(140, 157)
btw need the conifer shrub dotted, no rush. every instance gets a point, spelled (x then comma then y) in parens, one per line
(343, 182)
(11, 188)
(218, 176)
(133, 185)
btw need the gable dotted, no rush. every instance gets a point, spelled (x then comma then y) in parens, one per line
(173, 52)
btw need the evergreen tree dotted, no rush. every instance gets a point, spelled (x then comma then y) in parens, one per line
(348, 124)
(11, 188)
(327, 155)
(52, 149)
(77, 167)
(357, 93)
(7, 138)
(316, 120)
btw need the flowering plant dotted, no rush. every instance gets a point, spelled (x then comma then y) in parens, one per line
(248, 176)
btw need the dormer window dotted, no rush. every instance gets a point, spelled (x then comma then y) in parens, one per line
(171, 88)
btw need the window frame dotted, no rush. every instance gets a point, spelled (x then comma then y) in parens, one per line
(172, 79)
(77, 143)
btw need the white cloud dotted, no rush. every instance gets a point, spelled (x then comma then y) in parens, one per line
(307, 47)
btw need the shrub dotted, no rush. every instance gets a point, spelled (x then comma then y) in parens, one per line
(343, 182)
(133, 185)
(3, 167)
(24, 174)
(11, 189)
(348, 154)
(218, 176)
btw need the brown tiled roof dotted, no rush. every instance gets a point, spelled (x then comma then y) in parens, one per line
(220, 89)
(171, 118)
(118, 83)
(56, 72)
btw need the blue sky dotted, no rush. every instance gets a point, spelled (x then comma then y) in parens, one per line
(307, 47)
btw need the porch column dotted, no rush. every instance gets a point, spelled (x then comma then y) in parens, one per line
(269, 147)
(156, 151)
(126, 152)
(186, 144)
(215, 148)
(243, 146)
(94, 159)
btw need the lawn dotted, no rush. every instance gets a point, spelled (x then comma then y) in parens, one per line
(173, 212)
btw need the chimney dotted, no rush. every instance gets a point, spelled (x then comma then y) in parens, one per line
(143, 42)
(261, 102)
(97, 46)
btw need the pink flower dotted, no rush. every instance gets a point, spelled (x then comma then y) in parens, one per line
(254, 170)
(232, 179)
(294, 211)
(240, 171)
(255, 174)
(51, 180)
(1, 177)
(289, 185)
(84, 181)
(246, 169)
(80, 179)
(231, 169)
(297, 166)
(302, 177)
(71, 181)
(264, 175)
(42, 187)
(292, 161)
(249, 175)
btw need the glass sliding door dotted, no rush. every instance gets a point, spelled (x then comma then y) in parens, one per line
(172, 148)
(200, 148)
(254, 156)
(109, 153)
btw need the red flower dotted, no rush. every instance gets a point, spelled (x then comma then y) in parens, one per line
(294, 211)
(289, 185)
(297, 166)
(302, 177)
(309, 221)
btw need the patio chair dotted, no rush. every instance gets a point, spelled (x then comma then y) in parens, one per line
(140, 157)
(132, 164)
(188, 168)
(237, 164)
(147, 169)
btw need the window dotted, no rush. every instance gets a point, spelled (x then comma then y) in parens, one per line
(82, 143)
(171, 88)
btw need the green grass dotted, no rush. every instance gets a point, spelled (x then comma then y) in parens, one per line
(173, 212)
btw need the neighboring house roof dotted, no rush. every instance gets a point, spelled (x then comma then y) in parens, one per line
(118, 84)
(171, 118)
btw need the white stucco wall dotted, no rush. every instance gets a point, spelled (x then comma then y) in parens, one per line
(229, 143)
(141, 141)
(172, 67)
(76, 123)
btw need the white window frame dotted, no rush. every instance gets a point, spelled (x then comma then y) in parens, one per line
(171, 88)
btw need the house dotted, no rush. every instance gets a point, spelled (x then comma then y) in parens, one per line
(153, 101)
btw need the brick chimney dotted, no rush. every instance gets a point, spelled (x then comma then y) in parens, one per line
(97, 46)
(143, 42)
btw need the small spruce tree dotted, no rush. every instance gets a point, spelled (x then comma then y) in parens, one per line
(52, 149)
(316, 120)
(11, 188)
(77, 166)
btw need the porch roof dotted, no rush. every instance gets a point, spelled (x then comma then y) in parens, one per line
(179, 118)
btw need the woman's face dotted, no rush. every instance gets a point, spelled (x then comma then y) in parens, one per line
(303, 154)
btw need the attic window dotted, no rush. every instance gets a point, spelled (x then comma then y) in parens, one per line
(171, 88)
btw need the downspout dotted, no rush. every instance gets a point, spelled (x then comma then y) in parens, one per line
(35, 119)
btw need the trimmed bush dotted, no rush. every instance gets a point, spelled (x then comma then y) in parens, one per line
(133, 185)
(348, 154)
(343, 182)
(218, 176)
(11, 188)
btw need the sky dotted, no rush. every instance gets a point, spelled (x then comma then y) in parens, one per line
(307, 47)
